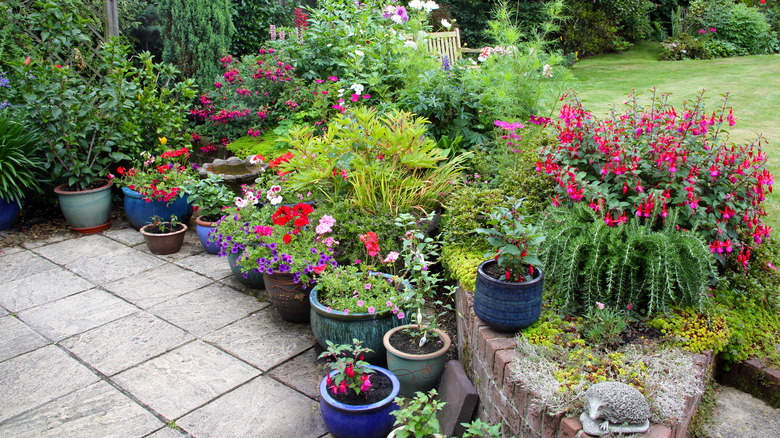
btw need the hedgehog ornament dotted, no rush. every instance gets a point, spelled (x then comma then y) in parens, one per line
(614, 407)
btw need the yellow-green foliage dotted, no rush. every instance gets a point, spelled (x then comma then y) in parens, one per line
(462, 263)
(550, 330)
(246, 146)
(694, 331)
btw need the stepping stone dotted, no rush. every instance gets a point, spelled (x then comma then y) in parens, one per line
(126, 342)
(38, 377)
(97, 411)
(76, 314)
(157, 285)
(16, 338)
(126, 236)
(41, 288)
(461, 397)
(263, 339)
(263, 407)
(302, 373)
(183, 379)
(207, 309)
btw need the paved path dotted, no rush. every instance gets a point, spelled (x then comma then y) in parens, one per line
(100, 338)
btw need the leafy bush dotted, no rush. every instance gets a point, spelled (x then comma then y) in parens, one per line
(681, 47)
(252, 19)
(694, 331)
(635, 264)
(646, 160)
(723, 49)
(745, 27)
(608, 26)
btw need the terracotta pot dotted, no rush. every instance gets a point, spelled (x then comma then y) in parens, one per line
(165, 243)
(416, 372)
(290, 299)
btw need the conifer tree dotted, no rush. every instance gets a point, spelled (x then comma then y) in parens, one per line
(196, 34)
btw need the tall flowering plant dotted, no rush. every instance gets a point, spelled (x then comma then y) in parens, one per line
(648, 159)
(351, 371)
(160, 178)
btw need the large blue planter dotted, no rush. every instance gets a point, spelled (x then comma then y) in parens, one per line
(249, 279)
(367, 421)
(204, 230)
(140, 213)
(342, 328)
(507, 306)
(8, 213)
(87, 211)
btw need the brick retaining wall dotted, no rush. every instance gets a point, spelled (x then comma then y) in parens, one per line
(487, 354)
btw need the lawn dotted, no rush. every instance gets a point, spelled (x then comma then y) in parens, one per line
(752, 82)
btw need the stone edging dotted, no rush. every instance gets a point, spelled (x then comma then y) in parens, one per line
(755, 378)
(486, 355)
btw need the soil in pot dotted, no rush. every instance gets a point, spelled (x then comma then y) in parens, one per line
(381, 387)
(499, 273)
(410, 343)
(164, 228)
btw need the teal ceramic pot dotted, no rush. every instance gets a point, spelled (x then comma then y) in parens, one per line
(86, 211)
(341, 328)
(249, 279)
(9, 210)
(416, 372)
(140, 213)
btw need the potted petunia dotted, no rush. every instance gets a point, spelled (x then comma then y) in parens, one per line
(289, 252)
(156, 187)
(211, 197)
(356, 399)
(416, 353)
(508, 292)
(357, 301)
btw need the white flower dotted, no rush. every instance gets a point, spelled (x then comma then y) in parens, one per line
(547, 71)
(419, 317)
(446, 23)
(254, 159)
(359, 53)
(274, 200)
(397, 19)
(416, 4)
(241, 203)
(423, 340)
(430, 5)
(357, 88)
(411, 44)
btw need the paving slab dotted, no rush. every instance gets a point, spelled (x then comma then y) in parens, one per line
(233, 282)
(16, 338)
(184, 379)
(24, 264)
(302, 373)
(263, 339)
(57, 237)
(37, 377)
(127, 236)
(207, 309)
(76, 314)
(97, 411)
(3, 312)
(126, 342)
(167, 432)
(157, 285)
(113, 265)
(41, 288)
(207, 264)
(10, 250)
(75, 249)
(263, 407)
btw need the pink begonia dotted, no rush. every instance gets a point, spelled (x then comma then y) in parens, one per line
(329, 242)
(326, 222)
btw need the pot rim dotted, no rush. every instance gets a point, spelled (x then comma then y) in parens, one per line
(489, 278)
(60, 189)
(442, 335)
(327, 398)
(203, 223)
(145, 233)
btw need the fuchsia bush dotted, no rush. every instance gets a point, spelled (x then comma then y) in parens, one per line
(647, 160)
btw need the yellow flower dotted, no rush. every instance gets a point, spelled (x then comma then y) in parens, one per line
(163, 140)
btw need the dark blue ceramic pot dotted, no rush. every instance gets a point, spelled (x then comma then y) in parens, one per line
(507, 306)
(249, 279)
(9, 210)
(140, 213)
(362, 421)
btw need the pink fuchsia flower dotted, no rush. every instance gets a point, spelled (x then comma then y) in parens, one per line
(600, 305)
(371, 310)
(771, 266)
(366, 382)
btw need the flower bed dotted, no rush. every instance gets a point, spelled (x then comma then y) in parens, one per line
(488, 355)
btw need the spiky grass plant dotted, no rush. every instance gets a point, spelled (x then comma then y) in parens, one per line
(648, 264)
(18, 162)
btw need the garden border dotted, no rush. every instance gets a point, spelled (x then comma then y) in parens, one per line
(486, 354)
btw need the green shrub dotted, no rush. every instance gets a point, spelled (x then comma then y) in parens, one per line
(265, 145)
(682, 47)
(723, 49)
(648, 266)
(745, 27)
(461, 262)
(252, 20)
(694, 331)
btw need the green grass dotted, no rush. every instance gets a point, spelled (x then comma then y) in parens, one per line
(753, 84)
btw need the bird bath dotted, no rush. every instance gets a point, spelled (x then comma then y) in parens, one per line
(234, 171)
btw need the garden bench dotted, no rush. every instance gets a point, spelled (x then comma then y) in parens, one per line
(448, 43)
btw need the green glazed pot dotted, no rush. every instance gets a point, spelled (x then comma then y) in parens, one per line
(416, 372)
(86, 211)
(340, 328)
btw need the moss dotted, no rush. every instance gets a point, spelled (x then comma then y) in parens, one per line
(462, 262)
(694, 331)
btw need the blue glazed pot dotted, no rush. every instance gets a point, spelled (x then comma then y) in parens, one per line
(507, 306)
(204, 230)
(367, 421)
(250, 279)
(86, 211)
(342, 328)
(8, 213)
(140, 213)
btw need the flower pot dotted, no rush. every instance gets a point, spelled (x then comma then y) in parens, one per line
(288, 297)
(507, 306)
(342, 328)
(398, 429)
(204, 230)
(140, 213)
(9, 210)
(366, 421)
(165, 243)
(86, 210)
(416, 372)
(249, 279)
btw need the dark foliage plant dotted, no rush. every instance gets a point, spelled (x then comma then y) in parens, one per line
(19, 164)
(252, 20)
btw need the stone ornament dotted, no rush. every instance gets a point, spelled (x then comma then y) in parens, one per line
(614, 407)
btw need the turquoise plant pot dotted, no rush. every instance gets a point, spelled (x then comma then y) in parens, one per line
(251, 279)
(416, 372)
(86, 211)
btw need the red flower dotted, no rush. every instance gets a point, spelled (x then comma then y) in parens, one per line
(319, 269)
(120, 170)
(287, 238)
(301, 221)
(349, 371)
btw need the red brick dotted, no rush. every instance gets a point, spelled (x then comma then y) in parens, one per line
(527, 432)
(494, 344)
(550, 425)
(569, 427)
(658, 431)
(535, 416)
(502, 360)
(521, 400)
(751, 371)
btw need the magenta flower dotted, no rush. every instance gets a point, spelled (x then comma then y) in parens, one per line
(371, 310)
(360, 303)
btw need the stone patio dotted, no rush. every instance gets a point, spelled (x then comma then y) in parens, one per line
(100, 338)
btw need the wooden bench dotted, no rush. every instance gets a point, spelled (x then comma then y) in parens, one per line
(447, 43)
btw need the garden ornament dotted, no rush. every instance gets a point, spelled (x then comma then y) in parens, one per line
(614, 407)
